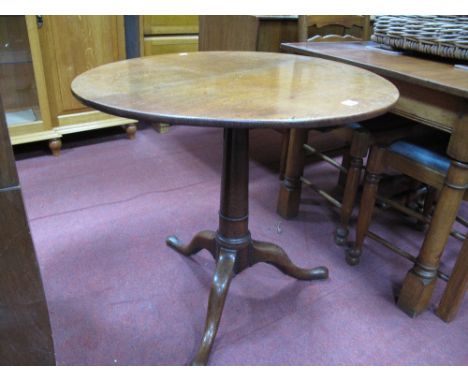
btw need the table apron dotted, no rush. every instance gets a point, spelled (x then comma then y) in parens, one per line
(428, 106)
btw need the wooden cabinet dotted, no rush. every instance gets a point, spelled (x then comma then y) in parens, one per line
(90, 41)
(22, 81)
(168, 34)
(260, 33)
(39, 57)
(25, 334)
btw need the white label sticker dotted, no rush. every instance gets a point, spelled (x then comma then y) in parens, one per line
(349, 102)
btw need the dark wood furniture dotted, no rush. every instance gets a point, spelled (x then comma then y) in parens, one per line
(331, 28)
(228, 33)
(266, 33)
(434, 93)
(250, 33)
(253, 33)
(357, 137)
(227, 90)
(25, 332)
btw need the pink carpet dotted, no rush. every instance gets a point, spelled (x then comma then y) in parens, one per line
(99, 216)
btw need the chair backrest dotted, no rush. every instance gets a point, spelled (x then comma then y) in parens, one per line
(228, 33)
(334, 28)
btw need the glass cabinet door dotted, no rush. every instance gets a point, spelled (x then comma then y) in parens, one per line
(17, 83)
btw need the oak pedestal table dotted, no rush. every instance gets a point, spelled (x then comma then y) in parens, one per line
(236, 91)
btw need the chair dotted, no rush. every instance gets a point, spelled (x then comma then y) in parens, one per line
(359, 136)
(438, 171)
(295, 141)
(343, 28)
(333, 28)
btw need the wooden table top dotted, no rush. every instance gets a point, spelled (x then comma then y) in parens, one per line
(432, 73)
(236, 89)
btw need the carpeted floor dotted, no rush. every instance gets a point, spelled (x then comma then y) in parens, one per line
(99, 215)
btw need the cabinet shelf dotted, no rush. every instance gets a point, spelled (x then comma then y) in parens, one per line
(37, 66)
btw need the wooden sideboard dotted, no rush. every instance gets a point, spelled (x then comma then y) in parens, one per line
(39, 57)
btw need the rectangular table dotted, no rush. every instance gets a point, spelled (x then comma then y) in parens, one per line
(432, 92)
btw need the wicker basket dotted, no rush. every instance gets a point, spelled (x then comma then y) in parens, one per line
(444, 36)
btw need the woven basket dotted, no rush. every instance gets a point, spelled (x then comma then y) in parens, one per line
(444, 36)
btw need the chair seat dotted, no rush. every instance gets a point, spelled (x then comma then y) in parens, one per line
(421, 155)
(355, 125)
(352, 126)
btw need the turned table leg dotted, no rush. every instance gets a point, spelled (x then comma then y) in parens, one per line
(366, 209)
(456, 287)
(290, 188)
(420, 281)
(284, 153)
(231, 245)
(342, 176)
(358, 150)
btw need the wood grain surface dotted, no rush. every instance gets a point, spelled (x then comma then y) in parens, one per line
(236, 89)
(431, 73)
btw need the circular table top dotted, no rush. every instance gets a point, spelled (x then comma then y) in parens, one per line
(236, 89)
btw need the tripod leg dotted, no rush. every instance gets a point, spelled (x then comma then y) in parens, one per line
(219, 289)
(202, 240)
(276, 256)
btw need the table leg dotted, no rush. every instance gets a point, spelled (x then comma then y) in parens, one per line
(360, 143)
(272, 254)
(219, 289)
(202, 240)
(284, 153)
(366, 209)
(456, 287)
(420, 281)
(232, 246)
(290, 189)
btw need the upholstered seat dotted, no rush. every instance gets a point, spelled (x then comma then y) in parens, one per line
(425, 162)
(381, 130)
(354, 139)
(421, 155)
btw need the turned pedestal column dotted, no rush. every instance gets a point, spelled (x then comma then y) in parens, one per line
(231, 245)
